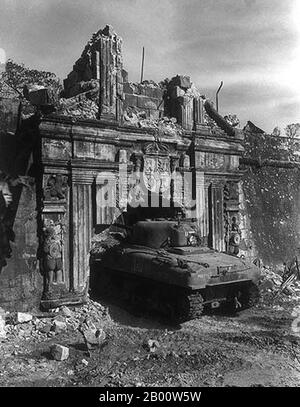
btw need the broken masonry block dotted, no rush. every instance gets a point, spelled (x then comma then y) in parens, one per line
(37, 95)
(146, 102)
(183, 81)
(58, 326)
(59, 352)
(130, 100)
(22, 317)
(177, 92)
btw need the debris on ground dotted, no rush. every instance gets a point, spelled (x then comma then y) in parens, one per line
(274, 290)
(84, 362)
(59, 352)
(66, 311)
(22, 317)
(151, 345)
(93, 337)
(259, 345)
(59, 326)
(47, 325)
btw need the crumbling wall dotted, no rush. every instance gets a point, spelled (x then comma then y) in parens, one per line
(270, 200)
(98, 74)
(8, 115)
(21, 283)
(142, 101)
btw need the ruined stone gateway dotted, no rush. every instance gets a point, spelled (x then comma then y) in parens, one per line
(75, 148)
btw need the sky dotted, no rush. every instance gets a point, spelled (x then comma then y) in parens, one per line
(253, 46)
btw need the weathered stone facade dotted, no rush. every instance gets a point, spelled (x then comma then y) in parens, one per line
(103, 123)
(269, 196)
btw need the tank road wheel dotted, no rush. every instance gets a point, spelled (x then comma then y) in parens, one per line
(189, 306)
(249, 296)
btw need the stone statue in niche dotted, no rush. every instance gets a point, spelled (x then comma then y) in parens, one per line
(52, 254)
(234, 237)
(232, 229)
(56, 187)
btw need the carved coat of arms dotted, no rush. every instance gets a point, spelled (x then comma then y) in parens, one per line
(156, 173)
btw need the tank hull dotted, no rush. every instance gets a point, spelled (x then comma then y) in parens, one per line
(178, 283)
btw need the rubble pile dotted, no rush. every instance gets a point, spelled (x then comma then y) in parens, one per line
(39, 327)
(269, 288)
(80, 106)
(166, 125)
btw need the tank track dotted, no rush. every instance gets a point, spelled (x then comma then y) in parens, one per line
(196, 305)
(140, 297)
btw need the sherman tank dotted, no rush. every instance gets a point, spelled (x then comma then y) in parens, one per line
(163, 265)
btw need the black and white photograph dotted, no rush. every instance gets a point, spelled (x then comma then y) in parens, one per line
(150, 197)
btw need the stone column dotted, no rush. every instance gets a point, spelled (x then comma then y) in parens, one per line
(200, 202)
(81, 228)
(185, 104)
(111, 81)
(216, 215)
(174, 162)
(198, 112)
(207, 209)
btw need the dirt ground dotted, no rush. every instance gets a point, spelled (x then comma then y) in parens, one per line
(256, 347)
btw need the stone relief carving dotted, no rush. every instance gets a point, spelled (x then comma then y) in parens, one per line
(157, 173)
(52, 248)
(234, 236)
(231, 191)
(157, 169)
(231, 223)
(156, 148)
(56, 187)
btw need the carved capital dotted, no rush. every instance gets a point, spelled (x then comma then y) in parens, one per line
(55, 187)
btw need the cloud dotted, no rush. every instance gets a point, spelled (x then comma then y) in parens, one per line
(250, 45)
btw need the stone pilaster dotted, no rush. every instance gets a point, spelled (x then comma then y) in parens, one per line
(216, 220)
(198, 113)
(200, 202)
(81, 228)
